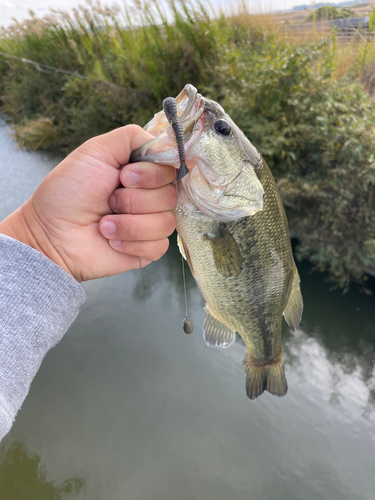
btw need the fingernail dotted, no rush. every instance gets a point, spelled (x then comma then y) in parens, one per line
(115, 243)
(113, 203)
(130, 178)
(108, 228)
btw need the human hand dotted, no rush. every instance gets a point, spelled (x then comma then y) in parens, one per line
(81, 219)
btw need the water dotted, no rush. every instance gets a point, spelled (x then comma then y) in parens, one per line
(129, 407)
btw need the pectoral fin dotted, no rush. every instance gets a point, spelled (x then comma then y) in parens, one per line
(215, 333)
(227, 255)
(181, 246)
(184, 252)
(293, 310)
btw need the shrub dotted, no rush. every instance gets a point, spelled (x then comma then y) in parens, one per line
(318, 137)
(316, 134)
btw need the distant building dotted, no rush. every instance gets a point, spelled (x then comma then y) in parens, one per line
(351, 22)
(345, 28)
(328, 4)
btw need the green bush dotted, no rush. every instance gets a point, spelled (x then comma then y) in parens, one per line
(316, 134)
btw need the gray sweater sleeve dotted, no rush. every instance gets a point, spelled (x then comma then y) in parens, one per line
(38, 303)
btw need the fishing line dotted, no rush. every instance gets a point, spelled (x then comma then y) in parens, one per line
(188, 327)
(46, 68)
(170, 110)
(43, 67)
(183, 279)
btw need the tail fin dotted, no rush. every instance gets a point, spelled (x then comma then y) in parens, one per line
(262, 377)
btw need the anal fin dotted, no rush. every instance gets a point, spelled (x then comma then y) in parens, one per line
(215, 333)
(293, 309)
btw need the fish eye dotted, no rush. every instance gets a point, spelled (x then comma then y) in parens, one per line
(222, 127)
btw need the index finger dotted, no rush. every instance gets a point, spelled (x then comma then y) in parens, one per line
(147, 175)
(115, 147)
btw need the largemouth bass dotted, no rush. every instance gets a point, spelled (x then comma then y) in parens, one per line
(233, 232)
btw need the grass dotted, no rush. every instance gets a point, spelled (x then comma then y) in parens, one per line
(303, 103)
(137, 50)
(39, 133)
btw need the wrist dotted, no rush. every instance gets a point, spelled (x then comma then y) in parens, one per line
(23, 225)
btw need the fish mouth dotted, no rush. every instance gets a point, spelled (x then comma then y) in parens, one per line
(184, 101)
(162, 149)
(218, 196)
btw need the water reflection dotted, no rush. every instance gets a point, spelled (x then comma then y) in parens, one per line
(170, 271)
(332, 351)
(20, 171)
(337, 344)
(23, 477)
(343, 379)
(143, 411)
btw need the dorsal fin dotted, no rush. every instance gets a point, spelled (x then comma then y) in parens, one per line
(293, 309)
(215, 333)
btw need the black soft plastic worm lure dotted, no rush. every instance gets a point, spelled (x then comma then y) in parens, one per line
(170, 110)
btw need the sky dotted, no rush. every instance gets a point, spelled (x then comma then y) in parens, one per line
(19, 8)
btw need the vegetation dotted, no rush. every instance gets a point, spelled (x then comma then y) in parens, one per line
(329, 13)
(317, 135)
(127, 72)
(315, 131)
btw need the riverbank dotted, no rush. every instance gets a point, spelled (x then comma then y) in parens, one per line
(315, 130)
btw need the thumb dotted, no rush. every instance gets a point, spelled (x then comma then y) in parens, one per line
(115, 147)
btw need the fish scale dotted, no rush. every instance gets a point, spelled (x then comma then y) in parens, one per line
(244, 303)
(233, 232)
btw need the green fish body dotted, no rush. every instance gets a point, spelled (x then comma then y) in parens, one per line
(233, 232)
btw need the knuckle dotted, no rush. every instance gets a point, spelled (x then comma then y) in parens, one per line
(131, 128)
(171, 196)
(131, 248)
(160, 247)
(164, 246)
(158, 177)
(170, 221)
(132, 228)
(129, 202)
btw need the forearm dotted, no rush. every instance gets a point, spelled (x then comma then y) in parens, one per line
(38, 303)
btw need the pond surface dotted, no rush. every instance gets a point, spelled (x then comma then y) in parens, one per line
(129, 407)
